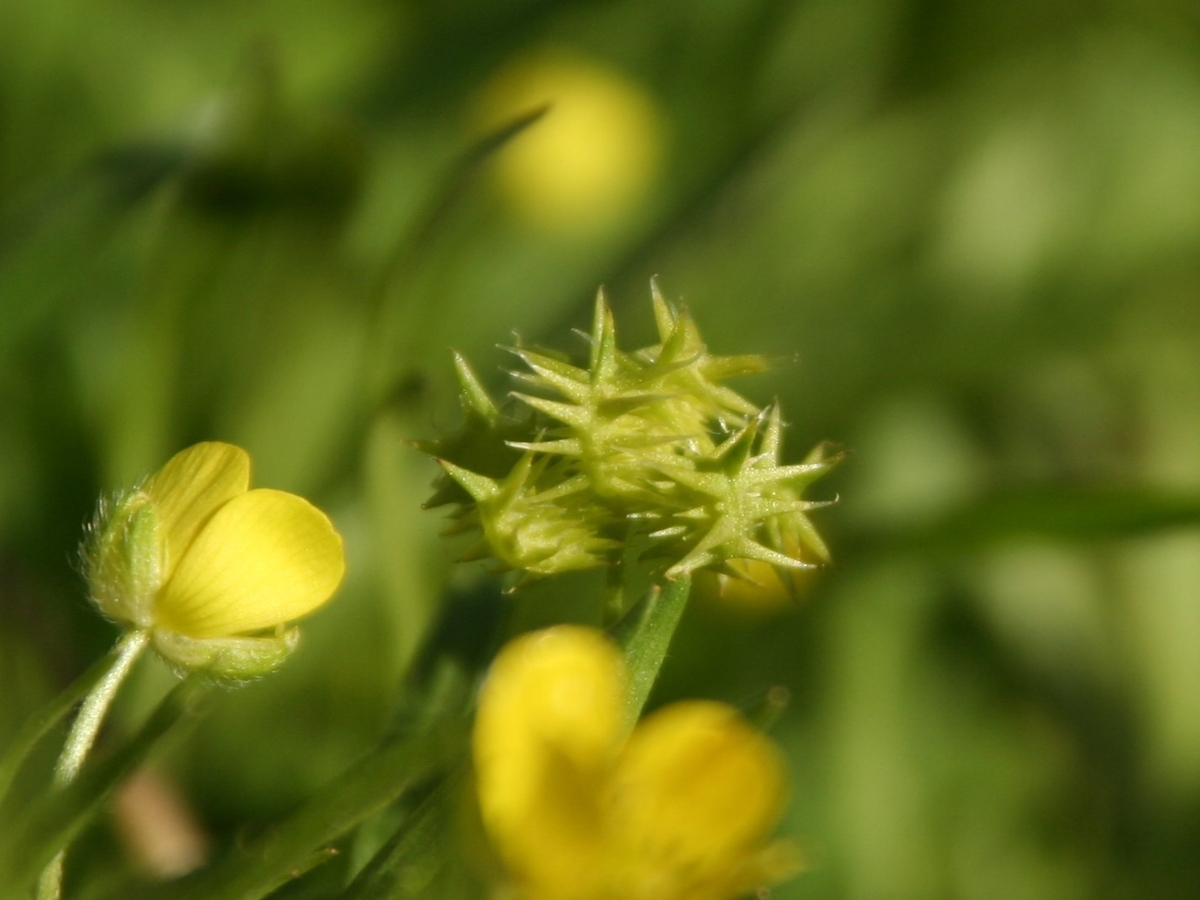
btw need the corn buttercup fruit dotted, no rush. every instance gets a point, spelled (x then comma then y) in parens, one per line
(648, 448)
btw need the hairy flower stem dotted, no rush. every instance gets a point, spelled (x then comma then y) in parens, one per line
(36, 727)
(83, 735)
(645, 636)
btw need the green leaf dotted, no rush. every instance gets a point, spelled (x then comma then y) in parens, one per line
(285, 851)
(1086, 514)
(36, 726)
(409, 864)
(60, 815)
(452, 186)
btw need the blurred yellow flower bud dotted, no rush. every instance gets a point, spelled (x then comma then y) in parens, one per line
(757, 588)
(590, 158)
(681, 809)
(212, 569)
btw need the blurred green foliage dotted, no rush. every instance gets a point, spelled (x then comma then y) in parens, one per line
(969, 230)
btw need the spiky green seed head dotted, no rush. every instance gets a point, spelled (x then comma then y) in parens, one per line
(648, 445)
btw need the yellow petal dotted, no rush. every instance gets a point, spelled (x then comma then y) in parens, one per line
(695, 794)
(193, 485)
(264, 558)
(546, 735)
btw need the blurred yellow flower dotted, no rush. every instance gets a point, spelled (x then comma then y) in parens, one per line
(679, 810)
(587, 162)
(212, 569)
(757, 588)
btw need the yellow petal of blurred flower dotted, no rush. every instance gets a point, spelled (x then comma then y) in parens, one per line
(693, 799)
(206, 564)
(758, 588)
(680, 810)
(590, 158)
(546, 737)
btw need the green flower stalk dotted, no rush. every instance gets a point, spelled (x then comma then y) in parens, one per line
(648, 448)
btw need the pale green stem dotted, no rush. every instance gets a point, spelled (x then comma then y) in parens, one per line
(625, 580)
(645, 636)
(43, 720)
(614, 594)
(82, 736)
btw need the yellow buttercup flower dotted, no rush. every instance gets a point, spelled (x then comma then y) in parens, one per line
(679, 810)
(210, 568)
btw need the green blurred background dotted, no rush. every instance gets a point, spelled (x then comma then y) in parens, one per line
(969, 231)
